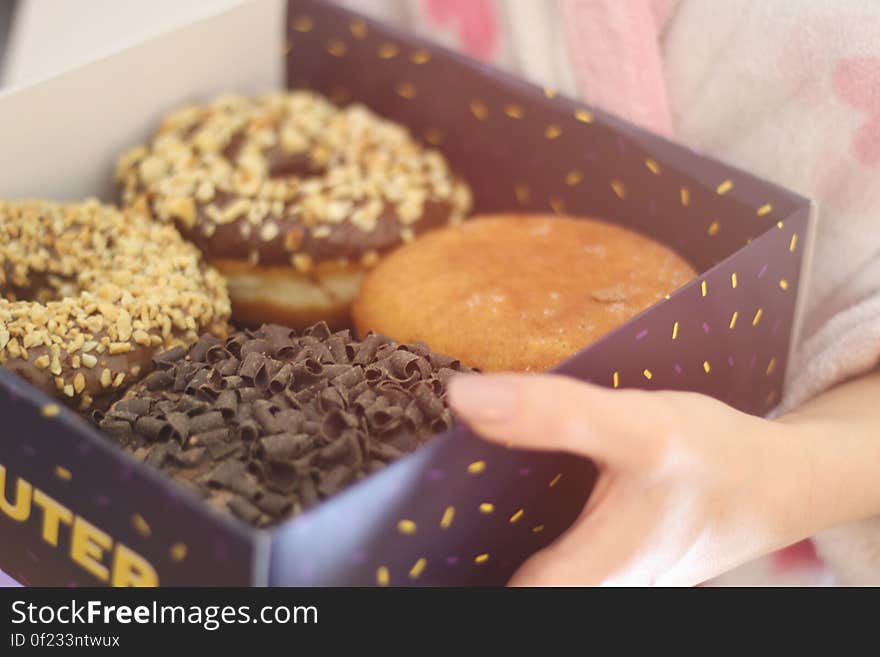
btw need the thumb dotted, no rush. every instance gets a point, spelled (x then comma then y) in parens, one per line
(551, 412)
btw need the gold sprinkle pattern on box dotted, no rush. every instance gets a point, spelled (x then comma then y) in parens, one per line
(303, 23)
(358, 29)
(479, 110)
(50, 410)
(418, 568)
(514, 111)
(448, 517)
(420, 57)
(434, 136)
(406, 90)
(337, 47)
(553, 131)
(178, 552)
(557, 204)
(573, 178)
(388, 50)
(476, 467)
(140, 525)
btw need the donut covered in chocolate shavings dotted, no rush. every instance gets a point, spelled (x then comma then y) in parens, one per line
(268, 423)
(290, 197)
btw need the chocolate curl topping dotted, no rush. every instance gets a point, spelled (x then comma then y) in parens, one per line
(167, 358)
(255, 346)
(287, 446)
(227, 404)
(319, 331)
(282, 378)
(337, 421)
(159, 380)
(199, 350)
(253, 367)
(269, 423)
(136, 406)
(151, 428)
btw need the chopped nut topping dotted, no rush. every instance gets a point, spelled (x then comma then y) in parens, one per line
(183, 209)
(321, 232)
(269, 232)
(105, 280)
(284, 163)
(293, 239)
(302, 263)
(370, 258)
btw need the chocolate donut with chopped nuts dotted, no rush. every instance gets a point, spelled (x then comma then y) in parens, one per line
(290, 197)
(268, 423)
(88, 295)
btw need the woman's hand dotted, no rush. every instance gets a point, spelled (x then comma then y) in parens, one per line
(688, 487)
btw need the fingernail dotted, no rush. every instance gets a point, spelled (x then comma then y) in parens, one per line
(483, 398)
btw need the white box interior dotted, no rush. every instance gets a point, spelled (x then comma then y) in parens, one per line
(60, 138)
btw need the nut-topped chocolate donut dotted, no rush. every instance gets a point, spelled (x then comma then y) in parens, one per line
(290, 197)
(88, 295)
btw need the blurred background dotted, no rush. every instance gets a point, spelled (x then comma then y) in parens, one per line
(39, 38)
(7, 8)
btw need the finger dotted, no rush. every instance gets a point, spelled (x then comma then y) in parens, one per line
(556, 412)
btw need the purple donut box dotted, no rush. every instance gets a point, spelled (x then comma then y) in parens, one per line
(76, 511)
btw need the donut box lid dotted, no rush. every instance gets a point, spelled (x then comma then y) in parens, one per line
(458, 511)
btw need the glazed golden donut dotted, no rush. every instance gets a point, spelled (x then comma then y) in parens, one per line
(290, 197)
(88, 295)
(516, 292)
